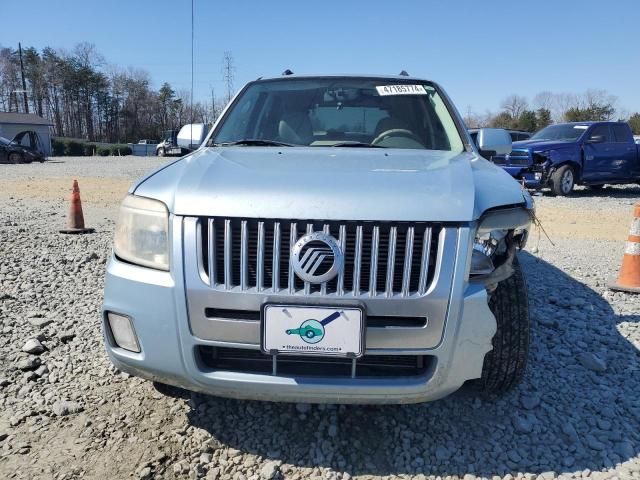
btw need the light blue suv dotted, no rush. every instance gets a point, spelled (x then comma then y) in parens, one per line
(335, 239)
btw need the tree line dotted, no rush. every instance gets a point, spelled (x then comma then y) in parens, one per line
(547, 107)
(86, 98)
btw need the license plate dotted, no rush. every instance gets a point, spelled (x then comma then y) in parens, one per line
(313, 330)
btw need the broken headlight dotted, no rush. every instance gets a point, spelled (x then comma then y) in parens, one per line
(485, 246)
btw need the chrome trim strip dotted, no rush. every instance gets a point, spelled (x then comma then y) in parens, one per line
(307, 285)
(292, 241)
(211, 246)
(424, 263)
(342, 240)
(244, 255)
(357, 261)
(260, 258)
(373, 276)
(323, 286)
(408, 257)
(391, 258)
(228, 281)
(275, 268)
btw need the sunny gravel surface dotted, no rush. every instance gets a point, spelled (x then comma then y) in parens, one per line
(66, 413)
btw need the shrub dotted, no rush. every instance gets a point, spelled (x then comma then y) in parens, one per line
(120, 149)
(89, 149)
(73, 148)
(103, 151)
(58, 147)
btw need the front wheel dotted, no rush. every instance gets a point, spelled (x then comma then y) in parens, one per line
(562, 181)
(504, 366)
(15, 157)
(160, 152)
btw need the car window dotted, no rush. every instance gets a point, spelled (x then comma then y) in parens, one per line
(621, 133)
(600, 131)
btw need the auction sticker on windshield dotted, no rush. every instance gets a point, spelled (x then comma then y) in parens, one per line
(401, 90)
(313, 330)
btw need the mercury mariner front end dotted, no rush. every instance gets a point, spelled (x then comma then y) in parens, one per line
(313, 273)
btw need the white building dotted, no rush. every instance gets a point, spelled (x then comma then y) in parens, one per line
(14, 125)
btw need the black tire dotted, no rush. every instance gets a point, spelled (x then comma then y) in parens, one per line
(563, 180)
(15, 157)
(160, 152)
(504, 366)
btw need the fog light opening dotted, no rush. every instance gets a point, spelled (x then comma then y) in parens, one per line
(123, 332)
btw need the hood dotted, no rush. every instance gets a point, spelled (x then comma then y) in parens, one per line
(539, 145)
(331, 184)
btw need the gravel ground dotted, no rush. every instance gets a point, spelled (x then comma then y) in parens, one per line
(66, 413)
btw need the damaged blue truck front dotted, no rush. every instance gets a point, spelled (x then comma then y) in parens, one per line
(567, 154)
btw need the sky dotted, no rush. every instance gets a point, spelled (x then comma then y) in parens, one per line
(479, 51)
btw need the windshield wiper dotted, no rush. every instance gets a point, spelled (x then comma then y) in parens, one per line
(254, 142)
(356, 144)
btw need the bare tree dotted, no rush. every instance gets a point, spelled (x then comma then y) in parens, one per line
(514, 105)
(544, 99)
(228, 74)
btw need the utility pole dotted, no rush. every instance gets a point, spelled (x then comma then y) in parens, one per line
(24, 84)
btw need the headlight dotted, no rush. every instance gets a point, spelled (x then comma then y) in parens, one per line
(497, 231)
(142, 232)
(485, 245)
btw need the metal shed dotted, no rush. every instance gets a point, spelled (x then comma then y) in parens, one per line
(12, 124)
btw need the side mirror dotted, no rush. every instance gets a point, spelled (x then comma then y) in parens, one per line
(494, 141)
(596, 139)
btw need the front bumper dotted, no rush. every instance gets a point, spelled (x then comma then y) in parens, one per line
(532, 178)
(157, 304)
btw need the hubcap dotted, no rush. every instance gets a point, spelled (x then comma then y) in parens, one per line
(567, 181)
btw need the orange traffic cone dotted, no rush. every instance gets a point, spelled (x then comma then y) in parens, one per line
(629, 277)
(76, 219)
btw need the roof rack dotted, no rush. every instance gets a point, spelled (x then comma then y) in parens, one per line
(287, 72)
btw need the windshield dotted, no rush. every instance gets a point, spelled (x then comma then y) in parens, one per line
(325, 112)
(560, 132)
(5, 141)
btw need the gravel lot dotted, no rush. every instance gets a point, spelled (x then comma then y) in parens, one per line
(66, 413)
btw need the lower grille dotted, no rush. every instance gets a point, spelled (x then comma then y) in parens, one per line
(519, 157)
(254, 361)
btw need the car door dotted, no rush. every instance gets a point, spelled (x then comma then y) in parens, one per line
(599, 155)
(626, 150)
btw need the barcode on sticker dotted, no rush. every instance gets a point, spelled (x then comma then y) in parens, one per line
(401, 90)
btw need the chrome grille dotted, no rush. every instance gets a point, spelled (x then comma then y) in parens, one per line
(519, 157)
(381, 258)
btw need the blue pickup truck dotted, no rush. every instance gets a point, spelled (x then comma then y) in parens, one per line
(585, 153)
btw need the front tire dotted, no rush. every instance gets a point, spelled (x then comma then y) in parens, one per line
(160, 152)
(504, 366)
(15, 157)
(563, 181)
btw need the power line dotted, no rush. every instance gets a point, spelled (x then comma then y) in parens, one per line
(192, 42)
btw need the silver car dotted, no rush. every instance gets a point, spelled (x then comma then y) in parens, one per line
(334, 239)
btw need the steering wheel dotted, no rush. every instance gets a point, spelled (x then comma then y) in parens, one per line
(396, 132)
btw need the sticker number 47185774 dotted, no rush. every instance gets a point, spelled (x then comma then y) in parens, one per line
(401, 90)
